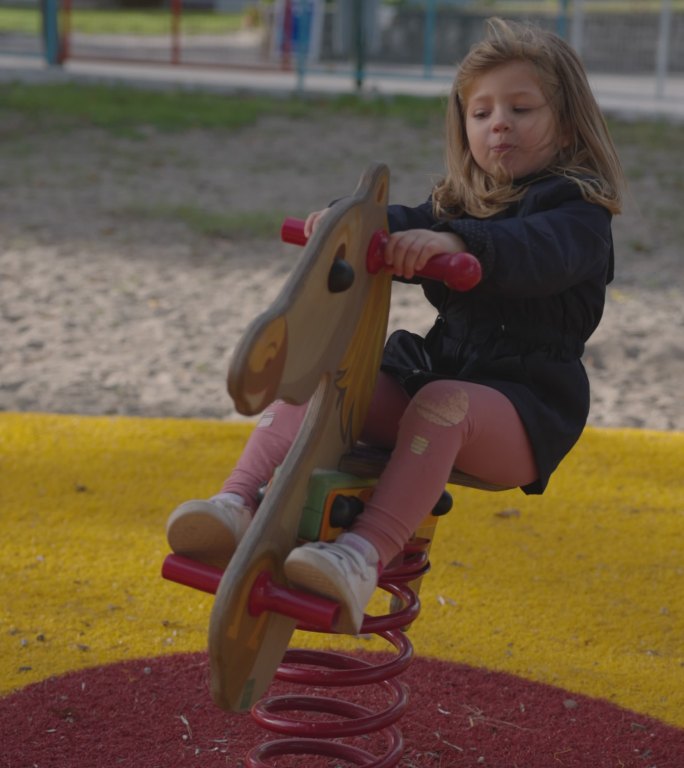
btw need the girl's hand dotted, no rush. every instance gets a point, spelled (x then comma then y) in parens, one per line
(312, 221)
(409, 251)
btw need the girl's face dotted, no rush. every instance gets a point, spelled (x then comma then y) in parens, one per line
(508, 122)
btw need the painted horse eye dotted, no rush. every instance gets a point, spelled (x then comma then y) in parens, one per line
(340, 277)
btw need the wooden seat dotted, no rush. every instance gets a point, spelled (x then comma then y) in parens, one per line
(366, 461)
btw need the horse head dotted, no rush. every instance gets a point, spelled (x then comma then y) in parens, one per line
(307, 332)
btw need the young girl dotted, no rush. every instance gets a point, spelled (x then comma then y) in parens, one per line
(496, 388)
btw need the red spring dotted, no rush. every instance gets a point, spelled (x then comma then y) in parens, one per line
(329, 669)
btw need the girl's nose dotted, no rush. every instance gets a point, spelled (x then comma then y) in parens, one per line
(500, 123)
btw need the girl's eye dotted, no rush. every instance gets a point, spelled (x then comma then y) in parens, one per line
(479, 114)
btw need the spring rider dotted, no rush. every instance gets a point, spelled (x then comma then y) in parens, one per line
(320, 342)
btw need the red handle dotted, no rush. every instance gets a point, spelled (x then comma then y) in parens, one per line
(292, 231)
(183, 570)
(459, 271)
(265, 595)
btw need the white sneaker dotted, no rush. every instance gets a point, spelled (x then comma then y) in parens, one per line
(208, 530)
(338, 572)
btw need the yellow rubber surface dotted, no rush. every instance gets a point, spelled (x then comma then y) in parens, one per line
(582, 587)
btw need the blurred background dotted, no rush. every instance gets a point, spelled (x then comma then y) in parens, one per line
(422, 39)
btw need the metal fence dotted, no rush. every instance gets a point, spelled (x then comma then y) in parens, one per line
(408, 38)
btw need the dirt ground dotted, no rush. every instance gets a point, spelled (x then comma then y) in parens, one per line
(117, 296)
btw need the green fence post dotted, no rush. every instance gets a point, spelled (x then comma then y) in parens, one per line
(50, 14)
(429, 37)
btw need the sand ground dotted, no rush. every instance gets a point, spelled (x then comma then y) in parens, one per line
(128, 271)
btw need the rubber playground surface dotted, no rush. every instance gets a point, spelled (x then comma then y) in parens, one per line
(551, 631)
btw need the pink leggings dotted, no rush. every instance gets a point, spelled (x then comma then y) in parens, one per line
(446, 424)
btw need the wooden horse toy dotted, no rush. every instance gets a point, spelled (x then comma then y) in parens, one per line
(320, 342)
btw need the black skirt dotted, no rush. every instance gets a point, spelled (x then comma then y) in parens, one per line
(549, 390)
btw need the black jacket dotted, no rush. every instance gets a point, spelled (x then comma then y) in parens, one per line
(546, 261)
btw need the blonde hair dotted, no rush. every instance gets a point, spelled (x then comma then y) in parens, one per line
(589, 159)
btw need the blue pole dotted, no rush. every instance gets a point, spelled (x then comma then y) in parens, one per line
(50, 11)
(302, 12)
(429, 37)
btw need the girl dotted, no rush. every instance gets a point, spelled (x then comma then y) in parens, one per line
(496, 388)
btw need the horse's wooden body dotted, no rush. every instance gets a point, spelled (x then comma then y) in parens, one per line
(321, 342)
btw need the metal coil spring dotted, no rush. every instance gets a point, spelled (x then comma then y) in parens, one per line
(327, 669)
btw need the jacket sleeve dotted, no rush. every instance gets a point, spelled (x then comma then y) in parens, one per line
(554, 241)
(403, 217)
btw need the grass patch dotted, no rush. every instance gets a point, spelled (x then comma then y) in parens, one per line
(648, 134)
(414, 110)
(153, 21)
(118, 108)
(124, 108)
(237, 225)
(25, 21)
(241, 225)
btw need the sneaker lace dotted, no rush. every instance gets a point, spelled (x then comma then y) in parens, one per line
(352, 561)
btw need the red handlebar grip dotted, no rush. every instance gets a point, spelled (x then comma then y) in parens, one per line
(292, 231)
(307, 609)
(192, 573)
(459, 271)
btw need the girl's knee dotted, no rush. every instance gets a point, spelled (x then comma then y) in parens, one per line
(283, 418)
(444, 403)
